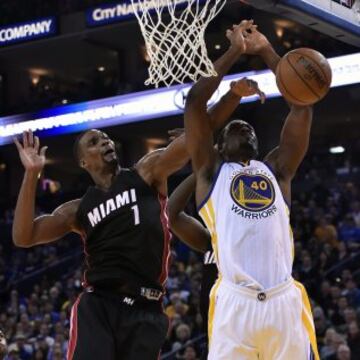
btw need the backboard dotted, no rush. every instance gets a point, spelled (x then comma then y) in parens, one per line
(337, 18)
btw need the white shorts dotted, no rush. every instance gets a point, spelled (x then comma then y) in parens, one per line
(276, 324)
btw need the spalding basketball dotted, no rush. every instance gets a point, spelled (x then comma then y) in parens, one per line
(303, 76)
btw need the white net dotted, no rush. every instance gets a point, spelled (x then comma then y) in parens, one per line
(174, 34)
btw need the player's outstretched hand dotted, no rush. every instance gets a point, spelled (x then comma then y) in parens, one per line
(31, 156)
(255, 41)
(247, 87)
(236, 34)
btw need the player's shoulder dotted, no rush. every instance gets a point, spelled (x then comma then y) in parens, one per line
(262, 164)
(150, 157)
(147, 163)
(211, 173)
(67, 213)
(68, 209)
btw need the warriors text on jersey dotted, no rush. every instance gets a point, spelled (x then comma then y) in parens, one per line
(126, 233)
(250, 226)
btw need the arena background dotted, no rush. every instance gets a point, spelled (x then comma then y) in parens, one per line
(82, 61)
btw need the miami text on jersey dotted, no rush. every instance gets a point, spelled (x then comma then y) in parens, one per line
(104, 209)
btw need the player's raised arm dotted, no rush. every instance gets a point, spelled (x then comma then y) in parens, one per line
(158, 165)
(199, 133)
(28, 231)
(294, 139)
(294, 142)
(185, 227)
(258, 44)
(295, 134)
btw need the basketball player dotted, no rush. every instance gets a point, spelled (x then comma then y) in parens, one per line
(123, 223)
(191, 231)
(257, 311)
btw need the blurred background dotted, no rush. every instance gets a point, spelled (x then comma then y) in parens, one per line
(81, 62)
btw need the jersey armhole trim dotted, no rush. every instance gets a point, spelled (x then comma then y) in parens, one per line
(202, 204)
(273, 173)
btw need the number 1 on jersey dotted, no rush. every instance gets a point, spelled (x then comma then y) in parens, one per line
(135, 208)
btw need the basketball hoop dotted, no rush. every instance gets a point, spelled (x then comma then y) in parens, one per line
(174, 34)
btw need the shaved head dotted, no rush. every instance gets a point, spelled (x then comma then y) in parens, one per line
(238, 141)
(77, 148)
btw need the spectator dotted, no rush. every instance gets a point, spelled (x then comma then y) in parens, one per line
(321, 325)
(190, 353)
(182, 336)
(326, 231)
(13, 352)
(348, 231)
(352, 292)
(327, 349)
(337, 318)
(355, 212)
(354, 340)
(343, 252)
(307, 272)
(336, 341)
(25, 349)
(343, 353)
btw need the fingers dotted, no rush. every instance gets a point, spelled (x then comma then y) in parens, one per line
(255, 86)
(229, 33)
(36, 143)
(250, 32)
(252, 84)
(43, 151)
(246, 26)
(28, 139)
(17, 143)
(247, 87)
(31, 138)
(243, 26)
(262, 96)
(25, 139)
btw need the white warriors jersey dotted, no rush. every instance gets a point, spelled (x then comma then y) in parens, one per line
(249, 223)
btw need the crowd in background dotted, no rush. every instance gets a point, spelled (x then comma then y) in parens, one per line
(34, 315)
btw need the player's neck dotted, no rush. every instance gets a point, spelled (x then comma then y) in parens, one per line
(238, 159)
(104, 179)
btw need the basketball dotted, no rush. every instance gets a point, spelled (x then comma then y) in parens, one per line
(303, 76)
